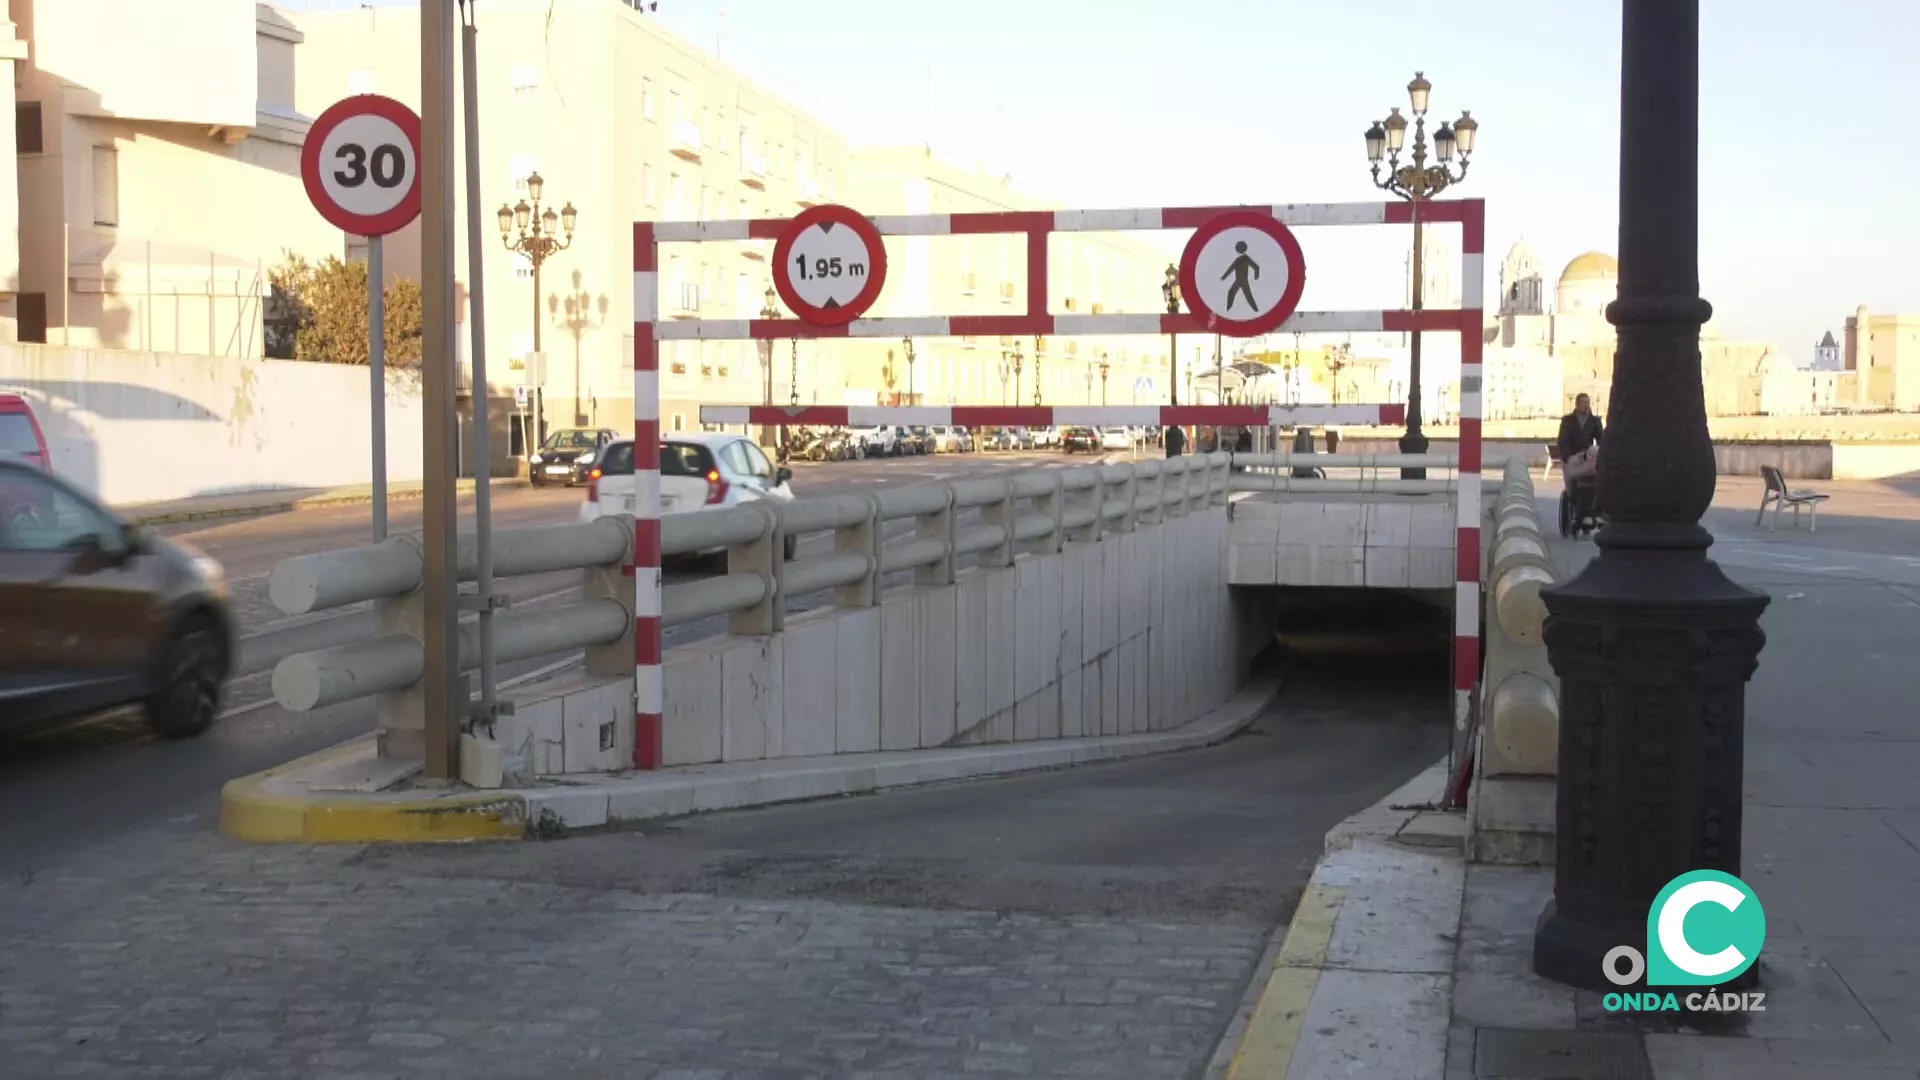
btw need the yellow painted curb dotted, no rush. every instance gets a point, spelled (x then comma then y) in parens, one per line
(251, 812)
(1273, 1031)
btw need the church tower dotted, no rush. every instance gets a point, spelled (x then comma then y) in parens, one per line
(1521, 289)
(1826, 355)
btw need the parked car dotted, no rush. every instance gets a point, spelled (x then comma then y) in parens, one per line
(20, 432)
(1046, 438)
(1116, 438)
(568, 455)
(1075, 439)
(951, 440)
(877, 441)
(923, 440)
(1022, 438)
(697, 472)
(96, 613)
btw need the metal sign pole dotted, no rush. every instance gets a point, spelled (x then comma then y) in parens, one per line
(482, 406)
(442, 685)
(377, 377)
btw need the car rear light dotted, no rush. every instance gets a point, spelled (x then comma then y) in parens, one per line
(716, 487)
(593, 486)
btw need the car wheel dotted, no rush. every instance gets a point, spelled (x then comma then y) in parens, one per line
(186, 698)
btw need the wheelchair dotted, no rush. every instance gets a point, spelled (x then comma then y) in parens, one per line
(1580, 508)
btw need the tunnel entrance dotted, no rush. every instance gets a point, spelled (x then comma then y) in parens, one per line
(1363, 655)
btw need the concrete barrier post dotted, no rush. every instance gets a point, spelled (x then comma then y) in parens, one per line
(1092, 497)
(1000, 513)
(764, 557)
(613, 659)
(1054, 505)
(400, 716)
(1153, 485)
(1130, 494)
(1219, 490)
(937, 526)
(861, 538)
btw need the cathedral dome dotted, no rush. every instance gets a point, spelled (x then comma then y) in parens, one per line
(1593, 266)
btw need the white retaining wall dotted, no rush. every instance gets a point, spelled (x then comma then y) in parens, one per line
(1384, 542)
(1136, 633)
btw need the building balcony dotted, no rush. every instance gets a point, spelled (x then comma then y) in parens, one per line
(753, 171)
(684, 141)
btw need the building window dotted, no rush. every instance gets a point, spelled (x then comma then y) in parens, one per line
(526, 79)
(679, 421)
(646, 98)
(524, 165)
(676, 195)
(106, 186)
(27, 135)
(360, 82)
(647, 192)
(31, 308)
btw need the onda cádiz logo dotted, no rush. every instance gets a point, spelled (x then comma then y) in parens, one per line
(1704, 929)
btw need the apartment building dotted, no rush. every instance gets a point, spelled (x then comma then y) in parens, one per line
(1089, 273)
(625, 122)
(150, 203)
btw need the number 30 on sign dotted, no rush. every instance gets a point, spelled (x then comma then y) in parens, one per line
(361, 165)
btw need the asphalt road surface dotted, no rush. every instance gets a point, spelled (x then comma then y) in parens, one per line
(92, 780)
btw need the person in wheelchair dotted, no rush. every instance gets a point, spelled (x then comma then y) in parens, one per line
(1580, 431)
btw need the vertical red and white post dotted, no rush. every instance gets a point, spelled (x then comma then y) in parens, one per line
(649, 679)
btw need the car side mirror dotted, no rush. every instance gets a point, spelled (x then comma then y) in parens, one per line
(781, 475)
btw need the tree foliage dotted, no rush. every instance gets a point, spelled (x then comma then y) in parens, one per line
(318, 312)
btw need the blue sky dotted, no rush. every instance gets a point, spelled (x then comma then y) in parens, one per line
(1123, 103)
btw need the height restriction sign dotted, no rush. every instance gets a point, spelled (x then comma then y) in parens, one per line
(829, 265)
(1243, 273)
(361, 165)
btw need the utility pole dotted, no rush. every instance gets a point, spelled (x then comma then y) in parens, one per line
(442, 686)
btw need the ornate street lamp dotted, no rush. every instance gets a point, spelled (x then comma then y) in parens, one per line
(1006, 368)
(1170, 292)
(1653, 644)
(1039, 342)
(907, 342)
(769, 311)
(1105, 368)
(1016, 372)
(1418, 182)
(535, 235)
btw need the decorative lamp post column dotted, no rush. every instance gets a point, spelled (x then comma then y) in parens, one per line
(1105, 369)
(769, 310)
(1016, 372)
(1006, 368)
(1652, 642)
(1417, 182)
(1170, 292)
(907, 343)
(1039, 342)
(536, 235)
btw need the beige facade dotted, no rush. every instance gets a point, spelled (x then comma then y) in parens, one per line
(627, 123)
(1882, 353)
(150, 206)
(1088, 273)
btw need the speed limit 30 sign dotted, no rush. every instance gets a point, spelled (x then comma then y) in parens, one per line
(361, 165)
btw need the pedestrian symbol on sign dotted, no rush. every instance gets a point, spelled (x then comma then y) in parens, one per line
(1238, 271)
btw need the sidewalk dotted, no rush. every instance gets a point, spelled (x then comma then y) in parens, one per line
(279, 501)
(1405, 961)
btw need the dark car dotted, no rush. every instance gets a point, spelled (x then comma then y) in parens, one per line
(20, 433)
(96, 614)
(1075, 439)
(923, 440)
(568, 455)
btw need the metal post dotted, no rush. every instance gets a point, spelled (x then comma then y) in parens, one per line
(1653, 644)
(1415, 440)
(377, 377)
(539, 358)
(442, 688)
(66, 284)
(490, 707)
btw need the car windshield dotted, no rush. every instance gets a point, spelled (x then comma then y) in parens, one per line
(16, 434)
(571, 439)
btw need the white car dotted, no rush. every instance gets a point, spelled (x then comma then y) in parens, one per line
(697, 472)
(1045, 438)
(1116, 438)
(878, 441)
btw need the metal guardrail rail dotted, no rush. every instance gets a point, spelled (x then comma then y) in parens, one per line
(992, 519)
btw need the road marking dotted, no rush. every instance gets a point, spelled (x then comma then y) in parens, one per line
(1273, 1033)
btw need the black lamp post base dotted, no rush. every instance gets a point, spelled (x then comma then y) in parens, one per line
(1653, 645)
(1414, 442)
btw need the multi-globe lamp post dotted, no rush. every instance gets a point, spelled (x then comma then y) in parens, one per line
(1417, 182)
(536, 236)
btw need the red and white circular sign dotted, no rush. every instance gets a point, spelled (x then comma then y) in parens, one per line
(361, 165)
(829, 265)
(1243, 273)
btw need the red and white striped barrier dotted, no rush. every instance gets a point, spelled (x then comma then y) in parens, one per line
(971, 416)
(1037, 226)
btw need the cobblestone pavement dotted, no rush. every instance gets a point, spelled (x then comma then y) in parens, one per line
(239, 962)
(1098, 922)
